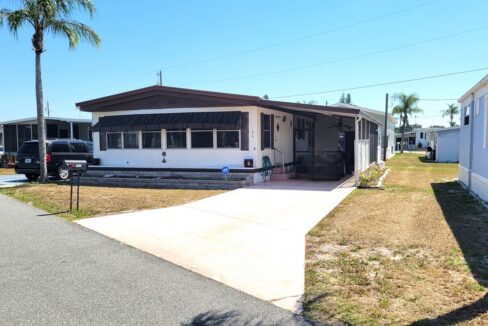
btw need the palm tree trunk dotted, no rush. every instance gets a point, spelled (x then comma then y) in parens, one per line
(41, 125)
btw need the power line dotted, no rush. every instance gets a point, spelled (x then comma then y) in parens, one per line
(342, 59)
(336, 29)
(438, 99)
(384, 84)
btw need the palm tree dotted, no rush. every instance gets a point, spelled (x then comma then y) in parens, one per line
(49, 16)
(406, 107)
(345, 98)
(451, 111)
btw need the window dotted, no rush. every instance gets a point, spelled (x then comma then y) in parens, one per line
(267, 131)
(60, 148)
(151, 139)
(421, 135)
(176, 138)
(114, 140)
(78, 148)
(131, 140)
(202, 139)
(228, 139)
(466, 115)
(29, 148)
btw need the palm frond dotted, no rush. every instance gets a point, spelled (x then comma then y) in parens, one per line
(15, 19)
(74, 31)
(66, 7)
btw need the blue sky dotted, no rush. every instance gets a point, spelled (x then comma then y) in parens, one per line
(139, 38)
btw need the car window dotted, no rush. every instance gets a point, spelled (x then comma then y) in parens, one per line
(60, 148)
(78, 148)
(29, 148)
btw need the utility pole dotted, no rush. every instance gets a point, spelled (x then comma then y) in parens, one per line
(385, 137)
(47, 109)
(160, 74)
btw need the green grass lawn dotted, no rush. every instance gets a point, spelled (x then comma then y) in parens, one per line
(413, 252)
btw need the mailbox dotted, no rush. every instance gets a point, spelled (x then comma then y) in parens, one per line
(76, 166)
(248, 162)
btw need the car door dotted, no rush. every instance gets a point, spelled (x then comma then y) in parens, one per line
(60, 151)
(80, 151)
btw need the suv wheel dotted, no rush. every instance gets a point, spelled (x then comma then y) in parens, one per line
(63, 173)
(32, 177)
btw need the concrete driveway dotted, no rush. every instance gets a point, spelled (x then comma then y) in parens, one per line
(252, 239)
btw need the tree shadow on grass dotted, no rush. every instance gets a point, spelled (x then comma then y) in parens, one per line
(468, 221)
(234, 317)
(424, 159)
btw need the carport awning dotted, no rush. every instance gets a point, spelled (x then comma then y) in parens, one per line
(230, 120)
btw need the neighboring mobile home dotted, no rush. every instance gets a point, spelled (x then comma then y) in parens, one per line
(16, 132)
(162, 129)
(445, 142)
(473, 150)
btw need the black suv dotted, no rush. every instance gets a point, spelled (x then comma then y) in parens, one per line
(58, 150)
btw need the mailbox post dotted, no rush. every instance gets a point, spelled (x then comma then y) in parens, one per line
(75, 168)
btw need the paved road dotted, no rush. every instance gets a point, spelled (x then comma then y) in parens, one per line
(12, 180)
(54, 272)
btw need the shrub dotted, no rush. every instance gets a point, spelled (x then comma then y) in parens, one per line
(371, 176)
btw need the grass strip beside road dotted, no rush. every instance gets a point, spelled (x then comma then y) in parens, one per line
(4, 171)
(96, 201)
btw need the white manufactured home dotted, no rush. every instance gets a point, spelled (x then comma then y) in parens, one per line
(473, 150)
(162, 129)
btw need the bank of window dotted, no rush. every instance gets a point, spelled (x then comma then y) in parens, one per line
(131, 140)
(151, 139)
(267, 131)
(176, 138)
(114, 140)
(227, 138)
(202, 139)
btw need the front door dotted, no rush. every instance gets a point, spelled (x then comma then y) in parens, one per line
(304, 145)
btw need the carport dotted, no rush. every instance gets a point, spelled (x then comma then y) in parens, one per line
(327, 135)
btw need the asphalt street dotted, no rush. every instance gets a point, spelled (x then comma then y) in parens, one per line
(12, 180)
(54, 272)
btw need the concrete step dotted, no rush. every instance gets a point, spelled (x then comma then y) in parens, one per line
(283, 176)
(164, 183)
(279, 170)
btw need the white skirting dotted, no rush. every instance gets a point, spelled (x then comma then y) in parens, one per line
(479, 185)
(463, 175)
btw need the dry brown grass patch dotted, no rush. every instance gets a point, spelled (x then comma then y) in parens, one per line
(54, 198)
(413, 252)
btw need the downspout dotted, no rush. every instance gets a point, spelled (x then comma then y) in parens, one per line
(471, 136)
(356, 154)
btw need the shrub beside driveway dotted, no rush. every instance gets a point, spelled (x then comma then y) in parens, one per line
(54, 198)
(413, 252)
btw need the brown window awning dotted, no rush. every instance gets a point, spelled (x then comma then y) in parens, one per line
(230, 120)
